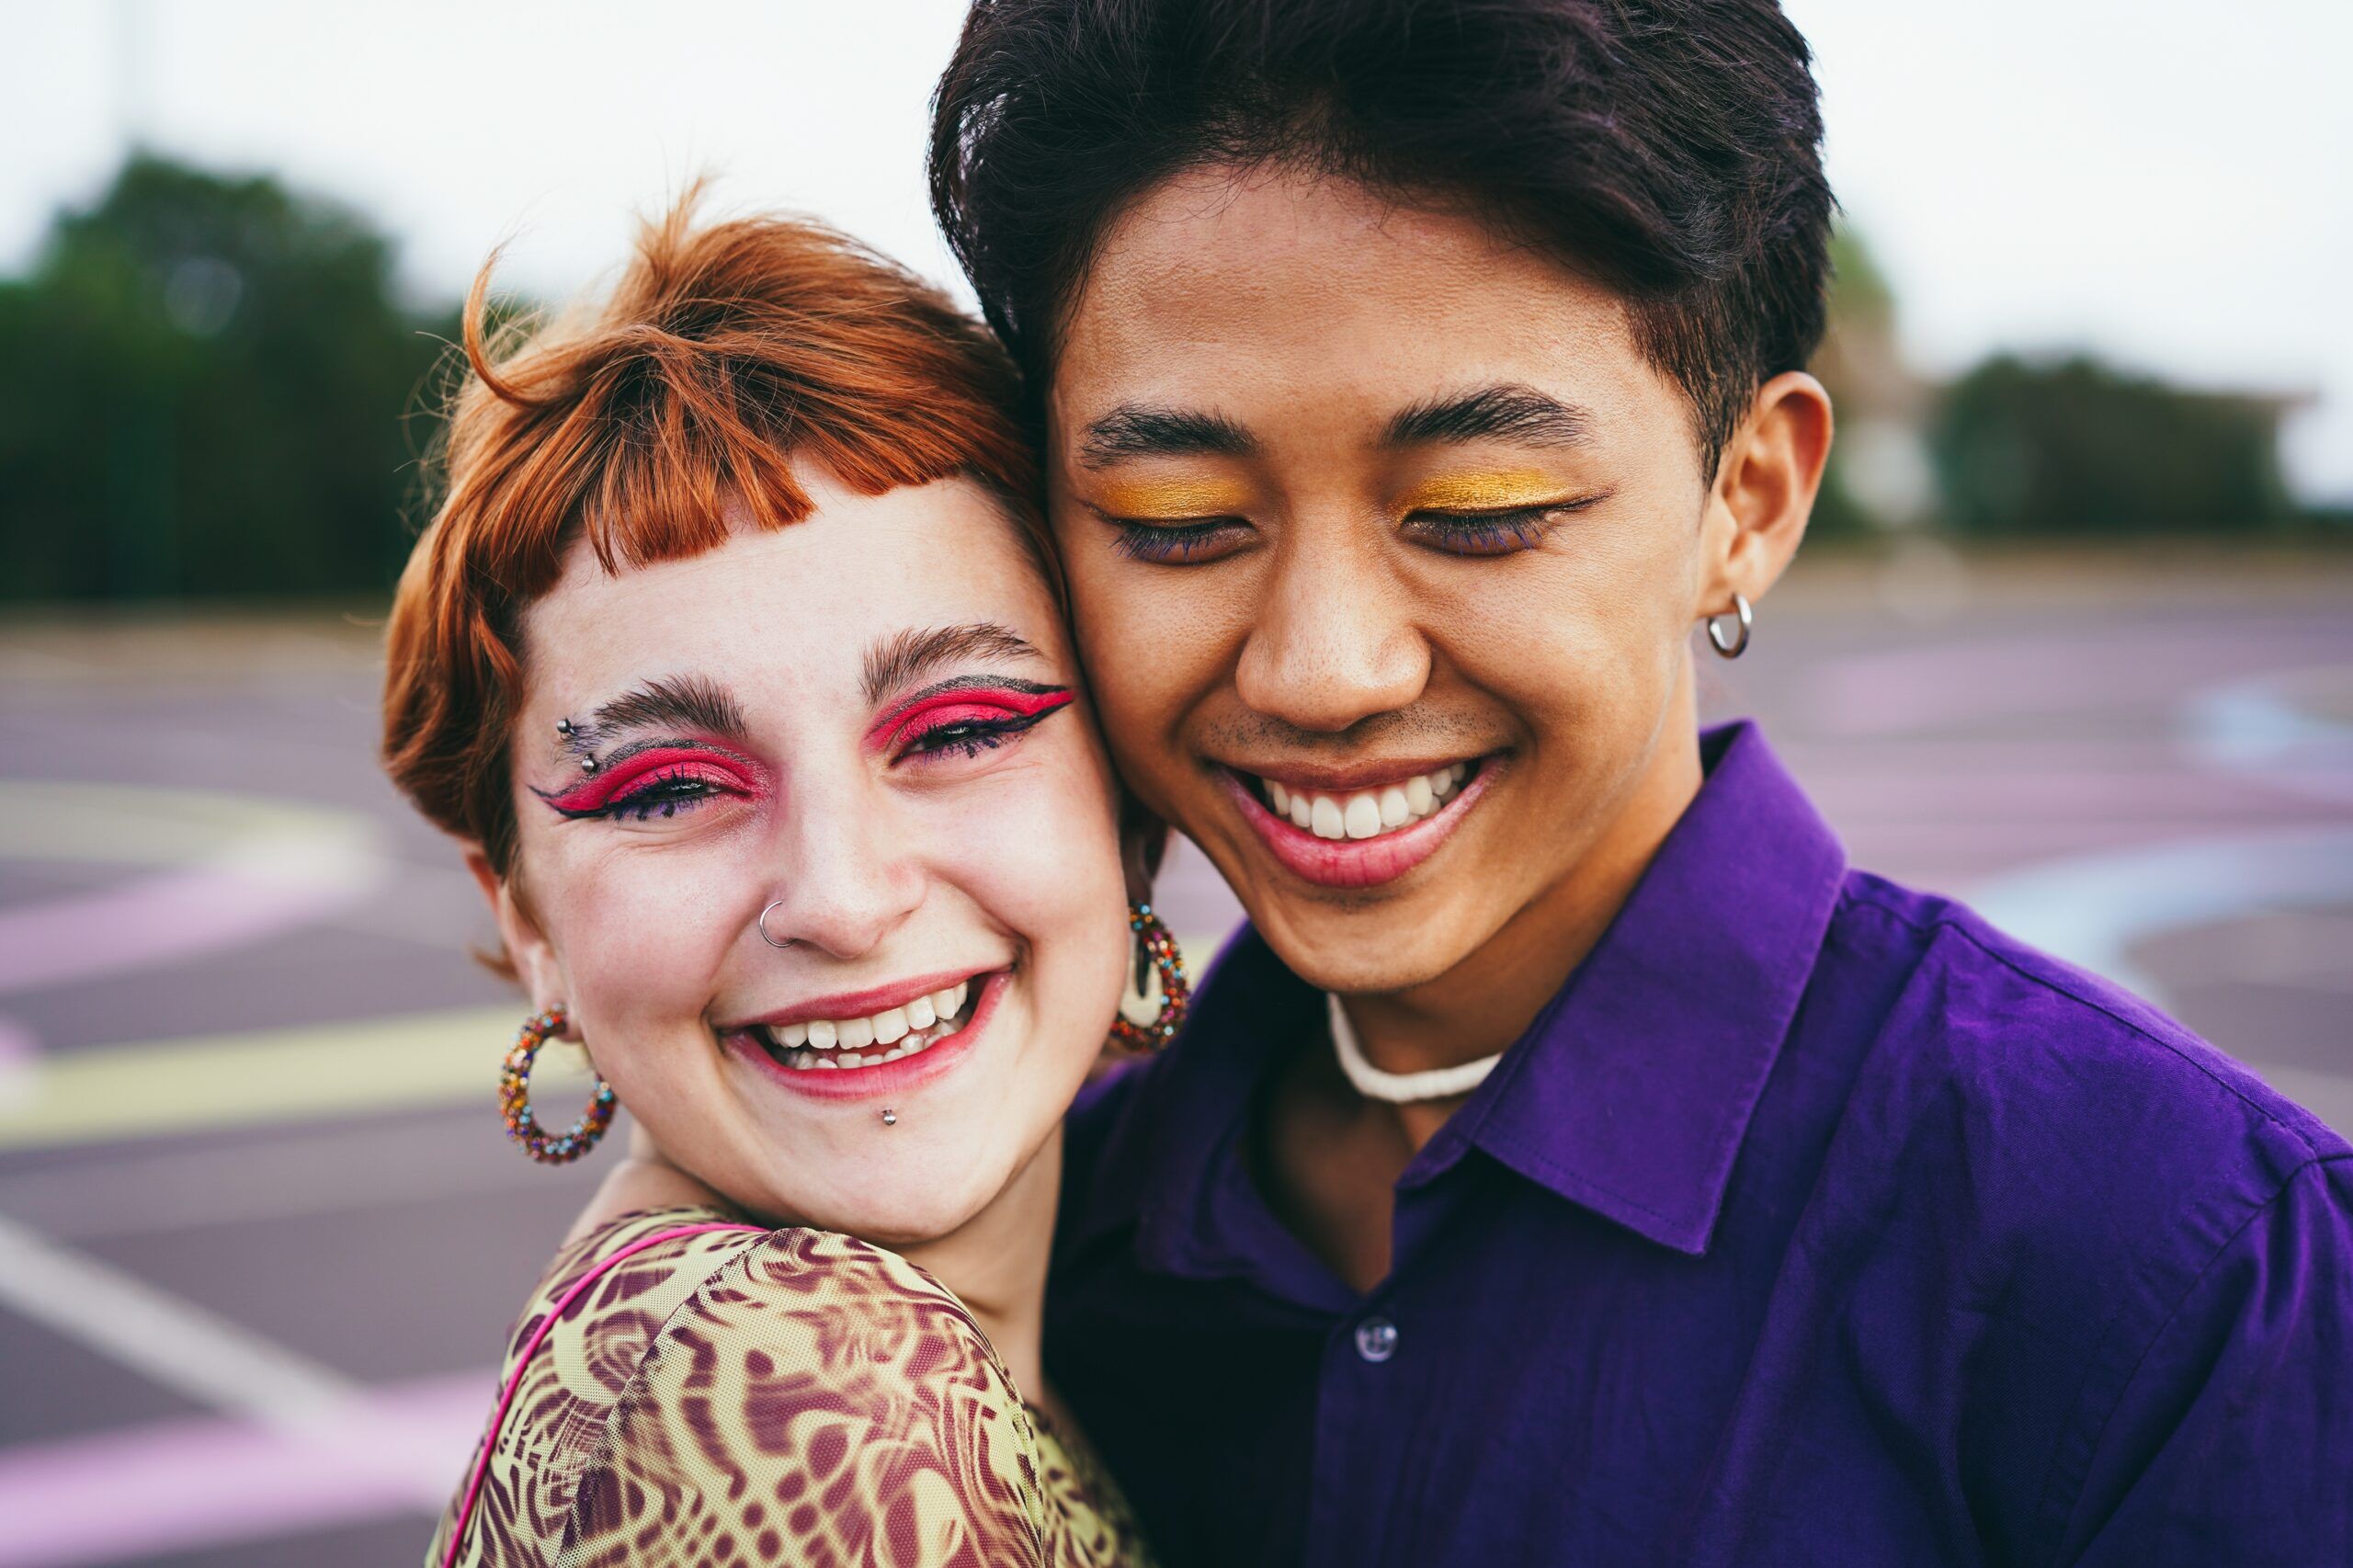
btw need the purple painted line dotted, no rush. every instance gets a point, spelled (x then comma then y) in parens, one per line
(179, 1485)
(158, 920)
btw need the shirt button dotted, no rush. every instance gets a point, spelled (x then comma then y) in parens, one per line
(1376, 1339)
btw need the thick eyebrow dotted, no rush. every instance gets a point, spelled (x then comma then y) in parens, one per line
(1138, 430)
(1504, 412)
(695, 702)
(898, 661)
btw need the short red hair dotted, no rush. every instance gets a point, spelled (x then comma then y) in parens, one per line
(723, 354)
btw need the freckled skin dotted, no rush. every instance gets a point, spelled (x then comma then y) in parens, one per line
(1308, 313)
(646, 930)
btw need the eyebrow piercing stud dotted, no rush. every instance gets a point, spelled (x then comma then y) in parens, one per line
(563, 726)
(587, 765)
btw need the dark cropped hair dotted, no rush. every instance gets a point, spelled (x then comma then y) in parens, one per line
(1669, 149)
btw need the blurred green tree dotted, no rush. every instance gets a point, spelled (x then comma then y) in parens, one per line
(203, 385)
(2073, 447)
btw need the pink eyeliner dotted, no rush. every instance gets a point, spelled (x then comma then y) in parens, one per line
(976, 700)
(631, 768)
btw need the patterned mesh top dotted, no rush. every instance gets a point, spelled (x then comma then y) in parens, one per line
(734, 1396)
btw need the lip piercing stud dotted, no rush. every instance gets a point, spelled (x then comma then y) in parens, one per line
(890, 1117)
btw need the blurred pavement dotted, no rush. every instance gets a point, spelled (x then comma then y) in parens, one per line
(260, 1235)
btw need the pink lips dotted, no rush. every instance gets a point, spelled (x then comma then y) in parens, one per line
(1355, 862)
(879, 1079)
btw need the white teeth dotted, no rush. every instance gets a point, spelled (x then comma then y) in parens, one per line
(1368, 813)
(843, 1043)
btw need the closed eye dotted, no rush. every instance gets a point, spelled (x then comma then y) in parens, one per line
(1503, 532)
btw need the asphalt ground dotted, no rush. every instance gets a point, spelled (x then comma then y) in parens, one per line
(260, 1235)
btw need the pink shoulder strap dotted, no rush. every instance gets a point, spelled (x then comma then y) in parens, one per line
(579, 1286)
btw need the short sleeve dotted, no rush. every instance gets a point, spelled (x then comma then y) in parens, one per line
(2232, 1441)
(816, 1401)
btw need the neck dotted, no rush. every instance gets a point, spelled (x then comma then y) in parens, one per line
(1484, 1003)
(995, 1262)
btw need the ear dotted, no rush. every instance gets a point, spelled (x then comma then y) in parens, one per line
(1764, 491)
(1143, 843)
(526, 946)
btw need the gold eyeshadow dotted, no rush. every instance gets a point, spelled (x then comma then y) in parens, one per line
(1176, 498)
(1501, 491)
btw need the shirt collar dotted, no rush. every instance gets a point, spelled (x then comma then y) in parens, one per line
(1629, 1094)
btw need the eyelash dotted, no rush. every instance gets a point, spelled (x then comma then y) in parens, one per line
(970, 736)
(1458, 533)
(1164, 545)
(669, 788)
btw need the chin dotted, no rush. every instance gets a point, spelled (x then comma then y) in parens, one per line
(902, 1214)
(1367, 950)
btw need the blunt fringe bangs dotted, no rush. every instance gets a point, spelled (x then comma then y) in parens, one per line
(723, 355)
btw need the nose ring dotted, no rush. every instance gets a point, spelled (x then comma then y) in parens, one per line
(763, 924)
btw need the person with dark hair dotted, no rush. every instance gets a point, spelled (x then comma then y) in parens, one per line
(1574, 1160)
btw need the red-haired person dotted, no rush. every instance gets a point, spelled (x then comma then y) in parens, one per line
(734, 661)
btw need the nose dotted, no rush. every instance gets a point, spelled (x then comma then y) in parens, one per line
(1334, 642)
(848, 880)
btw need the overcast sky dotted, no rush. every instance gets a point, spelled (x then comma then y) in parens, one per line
(2162, 181)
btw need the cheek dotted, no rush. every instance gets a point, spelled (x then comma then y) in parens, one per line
(640, 936)
(1588, 632)
(1155, 641)
(1039, 855)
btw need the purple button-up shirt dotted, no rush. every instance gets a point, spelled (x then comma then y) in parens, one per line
(1812, 1221)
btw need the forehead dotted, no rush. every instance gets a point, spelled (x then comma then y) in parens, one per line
(1276, 289)
(797, 607)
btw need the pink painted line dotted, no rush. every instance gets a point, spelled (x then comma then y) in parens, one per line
(180, 1485)
(156, 919)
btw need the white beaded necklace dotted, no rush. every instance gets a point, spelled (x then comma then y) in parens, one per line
(1401, 1088)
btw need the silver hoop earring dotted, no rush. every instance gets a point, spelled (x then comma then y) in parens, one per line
(762, 923)
(1733, 646)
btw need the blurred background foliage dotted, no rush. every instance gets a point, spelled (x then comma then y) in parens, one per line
(209, 388)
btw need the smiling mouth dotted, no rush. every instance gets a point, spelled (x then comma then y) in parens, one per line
(852, 1045)
(1368, 834)
(1358, 814)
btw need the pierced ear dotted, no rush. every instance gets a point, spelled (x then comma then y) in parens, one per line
(1764, 487)
(527, 949)
(1144, 844)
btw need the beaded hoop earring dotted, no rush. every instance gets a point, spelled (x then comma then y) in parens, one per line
(515, 1099)
(1146, 1022)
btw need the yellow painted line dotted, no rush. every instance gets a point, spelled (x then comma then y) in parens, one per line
(256, 1079)
(264, 1078)
(134, 824)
